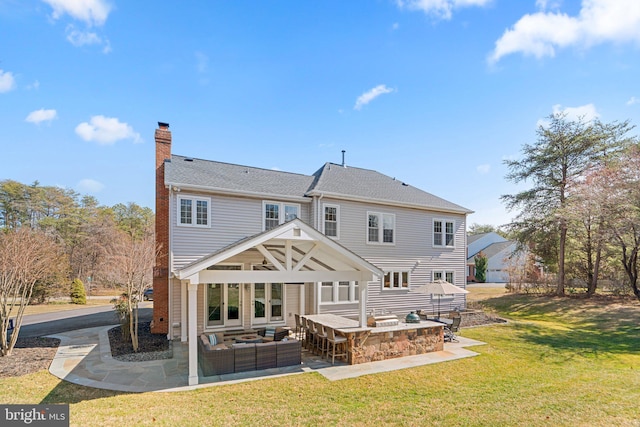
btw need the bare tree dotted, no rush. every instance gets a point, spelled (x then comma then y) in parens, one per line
(625, 213)
(131, 264)
(26, 257)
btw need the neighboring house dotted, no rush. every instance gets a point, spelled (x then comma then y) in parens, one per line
(502, 256)
(243, 247)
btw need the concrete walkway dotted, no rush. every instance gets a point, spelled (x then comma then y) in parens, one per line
(84, 358)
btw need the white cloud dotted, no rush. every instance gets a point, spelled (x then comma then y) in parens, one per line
(91, 12)
(483, 169)
(41, 115)
(106, 130)
(35, 85)
(441, 9)
(586, 113)
(202, 62)
(633, 100)
(107, 46)
(81, 38)
(395, 26)
(548, 4)
(7, 81)
(369, 96)
(599, 21)
(90, 186)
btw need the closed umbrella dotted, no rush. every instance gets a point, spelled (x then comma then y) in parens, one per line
(439, 287)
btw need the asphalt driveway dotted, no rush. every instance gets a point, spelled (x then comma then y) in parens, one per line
(37, 325)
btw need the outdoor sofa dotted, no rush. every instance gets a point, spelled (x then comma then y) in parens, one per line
(225, 358)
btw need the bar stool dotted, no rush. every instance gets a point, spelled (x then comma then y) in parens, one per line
(299, 328)
(321, 339)
(337, 345)
(310, 334)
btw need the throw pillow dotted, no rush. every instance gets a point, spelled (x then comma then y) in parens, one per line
(213, 340)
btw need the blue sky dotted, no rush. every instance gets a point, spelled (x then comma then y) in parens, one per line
(436, 93)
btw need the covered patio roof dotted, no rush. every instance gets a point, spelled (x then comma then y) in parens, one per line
(295, 253)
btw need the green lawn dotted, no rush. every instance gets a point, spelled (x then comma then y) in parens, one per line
(558, 362)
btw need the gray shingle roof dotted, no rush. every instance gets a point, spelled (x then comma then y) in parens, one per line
(206, 174)
(331, 179)
(473, 237)
(494, 249)
(369, 184)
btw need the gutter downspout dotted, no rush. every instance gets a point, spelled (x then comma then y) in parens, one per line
(316, 287)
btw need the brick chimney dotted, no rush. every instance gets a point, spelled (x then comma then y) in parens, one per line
(160, 324)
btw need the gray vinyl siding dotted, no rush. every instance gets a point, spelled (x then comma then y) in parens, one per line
(232, 219)
(235, 218)
(176, 307)
(412, 251)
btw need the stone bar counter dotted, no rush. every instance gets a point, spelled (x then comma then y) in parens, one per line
(370, 344)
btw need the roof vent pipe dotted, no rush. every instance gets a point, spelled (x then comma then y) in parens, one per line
(343, 164)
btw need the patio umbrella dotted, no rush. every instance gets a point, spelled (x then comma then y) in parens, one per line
(439, 287)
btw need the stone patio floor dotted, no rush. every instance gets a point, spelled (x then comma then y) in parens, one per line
(84, 358)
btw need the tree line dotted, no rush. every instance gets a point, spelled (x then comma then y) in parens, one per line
(580, 216)
(51, 236)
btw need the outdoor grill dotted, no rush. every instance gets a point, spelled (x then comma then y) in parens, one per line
(412, 318)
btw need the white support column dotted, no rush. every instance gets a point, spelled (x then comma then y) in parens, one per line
(193, 333)
(362, 302)
(301, 298)
(183, 311)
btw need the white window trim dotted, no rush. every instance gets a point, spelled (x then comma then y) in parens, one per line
(443, 298)
(393, 287)
(353, 292)
(205, 303)
(381, 229)
(330, 205)
(444, 233)
(444, 275)
(281, 211)
(194, 211)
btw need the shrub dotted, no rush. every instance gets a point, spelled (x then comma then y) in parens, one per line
(121, 306)
(78, 295)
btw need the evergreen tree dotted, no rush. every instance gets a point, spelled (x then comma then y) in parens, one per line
(481, 267)
(78, 294)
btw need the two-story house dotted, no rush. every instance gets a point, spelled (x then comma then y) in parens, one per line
(243, 247)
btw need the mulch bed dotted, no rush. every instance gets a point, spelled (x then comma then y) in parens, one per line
(150, 346)
(29, 355)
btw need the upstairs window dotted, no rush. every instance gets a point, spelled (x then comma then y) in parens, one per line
(194, 211)
(381, 228)
(331, 220)
(443, 233)
(276, 213)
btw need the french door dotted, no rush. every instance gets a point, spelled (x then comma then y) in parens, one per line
(268, 303)
(224, 302)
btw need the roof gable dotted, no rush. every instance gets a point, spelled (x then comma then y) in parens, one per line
(298, 247)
